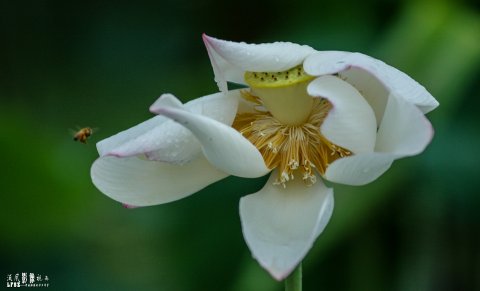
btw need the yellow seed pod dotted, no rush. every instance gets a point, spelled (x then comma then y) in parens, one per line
(277, 79)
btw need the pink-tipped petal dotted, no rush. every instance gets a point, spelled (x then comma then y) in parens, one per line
(128, 206)
(164, 140)
(351, 122)
(138, 182)
(108, 145)
(281, 224)
(223, 146)
(231, 59)
(348, 65)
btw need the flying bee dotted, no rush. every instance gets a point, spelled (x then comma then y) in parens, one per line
(83, 134)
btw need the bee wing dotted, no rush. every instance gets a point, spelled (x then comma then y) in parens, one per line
(72, 133)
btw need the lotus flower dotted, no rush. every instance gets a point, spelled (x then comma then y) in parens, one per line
(305, 116)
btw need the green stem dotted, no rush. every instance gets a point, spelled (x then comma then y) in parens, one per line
(294, 281)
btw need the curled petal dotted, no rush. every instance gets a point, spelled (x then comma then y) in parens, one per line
(351, 122)
(371, 89)
(359, 169)
(349, 65)
(231, 59)
(138, 182)
(326, 62)
(221, 106)
(164, 140)
(404, 131)
(108, 145)
(280, 224)
(222, 145)
(166, 100)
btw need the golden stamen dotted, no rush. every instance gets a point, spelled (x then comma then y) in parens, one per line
(290, 148)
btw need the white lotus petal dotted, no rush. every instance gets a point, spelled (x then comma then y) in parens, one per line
(220, 106)
(164, 140)
(106, 146)
(231, 59)
(326, 62)
(351, 122)
(138, 182)
(371, 89)
(395, 81)
(359, 169)
(404, 131)
(280, 224)
(222, 145)
(166, 100)
(169, 143)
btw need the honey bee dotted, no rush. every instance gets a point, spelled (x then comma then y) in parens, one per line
(83, 134)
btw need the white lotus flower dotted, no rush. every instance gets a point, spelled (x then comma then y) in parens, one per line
(306, 116)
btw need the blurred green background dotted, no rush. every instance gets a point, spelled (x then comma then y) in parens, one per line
(65, 64)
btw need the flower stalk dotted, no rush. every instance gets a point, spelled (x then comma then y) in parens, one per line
(294, 281)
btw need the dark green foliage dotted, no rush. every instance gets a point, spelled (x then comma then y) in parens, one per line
(92, 63)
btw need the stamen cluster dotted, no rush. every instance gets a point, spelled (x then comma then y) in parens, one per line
(292, 149)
